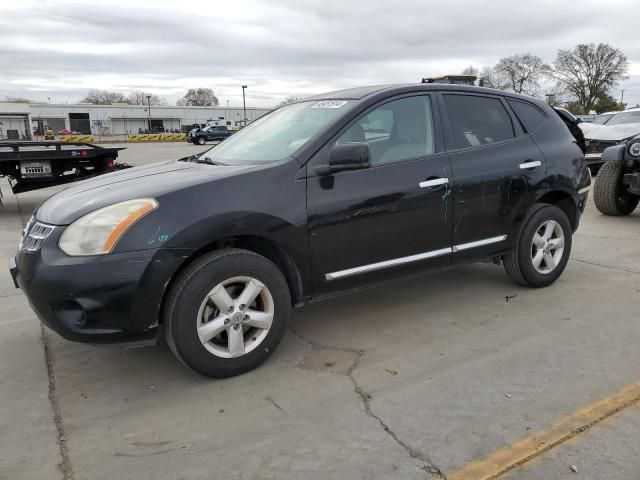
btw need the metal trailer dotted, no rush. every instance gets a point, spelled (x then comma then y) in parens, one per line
(33, 165)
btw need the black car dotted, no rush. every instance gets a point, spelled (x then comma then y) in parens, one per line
(617, 187)
(327, 195)
(200, 136)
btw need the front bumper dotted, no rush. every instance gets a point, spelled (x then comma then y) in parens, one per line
(593, 158)
(632, 182)
(114, 298)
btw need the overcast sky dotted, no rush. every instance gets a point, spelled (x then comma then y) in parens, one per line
(60, 49)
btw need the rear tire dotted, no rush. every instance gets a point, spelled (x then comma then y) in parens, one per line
(609, 195)
(227, 312)
(542, 248)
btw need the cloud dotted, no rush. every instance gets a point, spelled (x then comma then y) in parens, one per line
(59, 49)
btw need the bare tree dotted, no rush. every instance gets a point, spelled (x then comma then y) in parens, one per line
(491, 79)
(104, 97)
(590, 71)
(199, 97)
(288, 100)
(557, 95)
(521, 73)
(15, 100)
(139, 97)
(470, 70)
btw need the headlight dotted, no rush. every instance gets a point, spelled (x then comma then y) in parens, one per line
(97, 232)
(634, 148)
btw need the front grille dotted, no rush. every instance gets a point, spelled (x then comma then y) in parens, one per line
(35, 235)
(598, 146)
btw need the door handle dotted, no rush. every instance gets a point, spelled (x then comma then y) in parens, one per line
(434, 182)
(530, 164)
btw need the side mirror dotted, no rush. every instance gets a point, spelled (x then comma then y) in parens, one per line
(579, 120)
(347, 156)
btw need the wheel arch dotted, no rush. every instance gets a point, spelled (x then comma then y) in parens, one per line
(565, 202)
(261, 245)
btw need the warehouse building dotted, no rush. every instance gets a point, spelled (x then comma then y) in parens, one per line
(15, 121)
(114, 120)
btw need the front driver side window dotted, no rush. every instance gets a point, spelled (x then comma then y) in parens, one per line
(396, 131)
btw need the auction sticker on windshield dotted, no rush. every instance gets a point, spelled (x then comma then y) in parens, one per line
(330, 104)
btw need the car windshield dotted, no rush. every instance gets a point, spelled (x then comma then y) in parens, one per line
(623, 118)
(277, 135)
(602, 119)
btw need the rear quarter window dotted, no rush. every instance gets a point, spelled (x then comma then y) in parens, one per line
(477, 120)
(530, 116)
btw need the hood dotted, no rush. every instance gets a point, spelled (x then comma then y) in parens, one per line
(613, 132)
(587, 127)
(146, 181)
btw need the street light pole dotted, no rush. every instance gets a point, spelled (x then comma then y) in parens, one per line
(244, 105)
(149, 111)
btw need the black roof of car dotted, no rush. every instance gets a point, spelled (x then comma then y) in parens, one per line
(359, 93)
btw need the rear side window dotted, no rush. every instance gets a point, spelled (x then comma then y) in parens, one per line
(477, 120)
(530, 117)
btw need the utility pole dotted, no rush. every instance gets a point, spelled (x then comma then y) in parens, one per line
(149, 111)
(244, 105)
(622, 99)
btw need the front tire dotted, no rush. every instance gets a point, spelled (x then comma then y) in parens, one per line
(201, 140)
(227, 312)
(609, 194)
(542, 249)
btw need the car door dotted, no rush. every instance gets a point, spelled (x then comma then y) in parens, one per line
(498, 173)
(392, 218)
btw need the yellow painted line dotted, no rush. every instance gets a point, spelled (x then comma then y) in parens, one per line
(526, 449)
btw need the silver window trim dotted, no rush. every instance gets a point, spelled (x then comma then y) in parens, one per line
(411, 258)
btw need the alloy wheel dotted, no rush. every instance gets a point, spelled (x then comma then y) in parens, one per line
(547, 247)
(235, 317)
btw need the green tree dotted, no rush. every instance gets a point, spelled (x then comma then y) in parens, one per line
(607, 103)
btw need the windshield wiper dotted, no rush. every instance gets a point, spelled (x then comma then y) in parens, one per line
(208, 161)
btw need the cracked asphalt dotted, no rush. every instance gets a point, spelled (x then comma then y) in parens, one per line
(413, 380)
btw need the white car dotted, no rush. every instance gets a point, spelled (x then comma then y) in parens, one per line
(620, 128)
(598, 120)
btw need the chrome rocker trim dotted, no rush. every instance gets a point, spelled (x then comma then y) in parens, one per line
(411, 258)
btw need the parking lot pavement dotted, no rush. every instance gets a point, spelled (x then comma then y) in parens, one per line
(601, 454)
(27, 430)
(411, 380)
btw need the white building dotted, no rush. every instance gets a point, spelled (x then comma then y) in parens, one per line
(14, 121)
(119, 119)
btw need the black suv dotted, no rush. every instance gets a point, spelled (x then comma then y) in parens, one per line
(200, 136)
(327, 195)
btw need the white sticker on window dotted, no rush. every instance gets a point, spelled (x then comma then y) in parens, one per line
(330, 104)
